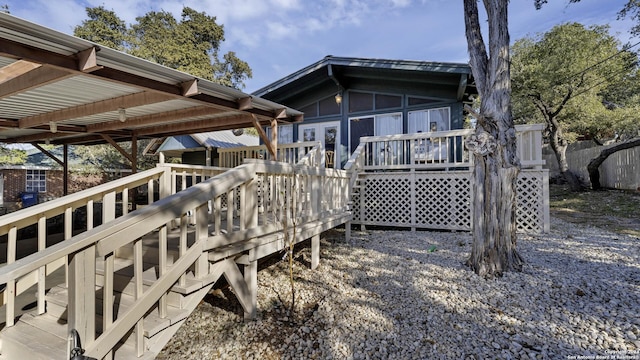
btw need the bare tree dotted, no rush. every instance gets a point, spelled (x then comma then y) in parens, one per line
(496, 165)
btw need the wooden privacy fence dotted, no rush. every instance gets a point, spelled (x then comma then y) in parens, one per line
(621, 170)
(232, 213)
(424, 181)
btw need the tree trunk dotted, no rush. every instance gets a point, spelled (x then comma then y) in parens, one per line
(496, 165)
(494, 228)
(559, 148)
(594, 164)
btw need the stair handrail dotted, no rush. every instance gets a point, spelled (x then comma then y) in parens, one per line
(355, 165)
(30, 215)
(29, 263)
(313, 157)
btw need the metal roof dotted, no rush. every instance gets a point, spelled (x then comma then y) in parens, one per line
(60, 89)
(212, 139)
(342, 72)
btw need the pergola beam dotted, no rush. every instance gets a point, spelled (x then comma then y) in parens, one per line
(196, 125)
(155, 119)
(99, 107)
(122, 151)
(37, 75)
(273, 149)
(50, 155)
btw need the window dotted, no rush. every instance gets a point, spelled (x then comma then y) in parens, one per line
(36, 181)
(430, 120)
(285, 134)
(374, 125)
(360, 101)
(388, 101)
(310, 111)
(421, 101)
(328, 106)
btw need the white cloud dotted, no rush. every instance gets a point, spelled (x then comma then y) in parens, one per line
(278, 30)
(401, 3)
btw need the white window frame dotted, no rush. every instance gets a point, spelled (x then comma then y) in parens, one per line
(36, 180)
(285, 133)
(441, 126)
(376, 118)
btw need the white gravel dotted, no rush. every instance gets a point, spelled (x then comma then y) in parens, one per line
(384, 295)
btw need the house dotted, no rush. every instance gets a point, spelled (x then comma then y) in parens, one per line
(41, 179)
(345, 98)
(201, 148)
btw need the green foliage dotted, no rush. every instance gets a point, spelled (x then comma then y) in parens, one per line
(569, 75)
(12, 156)
(632, 9)
(96, 158)
(103, 27)
(190, 45)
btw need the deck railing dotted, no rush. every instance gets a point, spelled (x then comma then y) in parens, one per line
(288, 153)
(240, 199)
(39, 227)
(429, 183)
(437, 150)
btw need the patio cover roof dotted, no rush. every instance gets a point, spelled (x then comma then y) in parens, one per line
(60, 89)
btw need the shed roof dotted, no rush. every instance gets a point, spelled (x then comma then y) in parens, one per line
(64, 90)
(213, 139)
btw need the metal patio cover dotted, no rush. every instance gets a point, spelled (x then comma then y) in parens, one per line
(59, 89)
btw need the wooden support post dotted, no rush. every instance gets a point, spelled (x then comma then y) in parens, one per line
(42, 244)
(315, 251)
(81, 313)
(65, 170)
(251, 278)
(10, 291)
(202, 233)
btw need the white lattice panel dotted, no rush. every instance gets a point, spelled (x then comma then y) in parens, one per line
(387, 200)
(440, 200)
(530, 198)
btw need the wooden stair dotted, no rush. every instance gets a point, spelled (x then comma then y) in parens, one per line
(45, 336)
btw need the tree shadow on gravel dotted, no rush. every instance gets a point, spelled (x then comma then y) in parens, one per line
(403, 295)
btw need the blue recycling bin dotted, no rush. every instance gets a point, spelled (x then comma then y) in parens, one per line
(29, 199)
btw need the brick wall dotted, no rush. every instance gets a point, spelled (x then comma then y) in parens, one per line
(15, 182)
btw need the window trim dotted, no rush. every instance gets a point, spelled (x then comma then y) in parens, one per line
(375, 119)
(41, 180)
(409, 127)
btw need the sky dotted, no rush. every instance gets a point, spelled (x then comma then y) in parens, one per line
(279, 37)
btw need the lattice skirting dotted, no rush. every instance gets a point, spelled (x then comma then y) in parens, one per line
(441, 200)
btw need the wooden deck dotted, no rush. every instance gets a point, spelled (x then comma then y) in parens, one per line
(132, 281)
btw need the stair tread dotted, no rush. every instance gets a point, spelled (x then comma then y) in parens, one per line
(39, 343)
(152, 323)
(128, 351)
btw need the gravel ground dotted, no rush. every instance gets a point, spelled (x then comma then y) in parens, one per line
(404, 295)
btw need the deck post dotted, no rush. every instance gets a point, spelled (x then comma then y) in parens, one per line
(81, 313)
(251, 279)
(315, 251)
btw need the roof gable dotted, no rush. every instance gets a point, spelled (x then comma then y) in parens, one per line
(340, 73)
